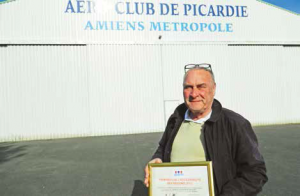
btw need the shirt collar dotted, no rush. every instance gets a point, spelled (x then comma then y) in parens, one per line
(200, 121)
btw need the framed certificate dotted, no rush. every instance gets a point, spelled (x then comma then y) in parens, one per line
(181, 179)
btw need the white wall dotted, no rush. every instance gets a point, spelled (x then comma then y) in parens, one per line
(260, 82)
(67, 91)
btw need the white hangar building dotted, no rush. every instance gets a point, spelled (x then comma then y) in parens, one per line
(73, 68)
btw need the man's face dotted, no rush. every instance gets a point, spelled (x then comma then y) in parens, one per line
(198, 91)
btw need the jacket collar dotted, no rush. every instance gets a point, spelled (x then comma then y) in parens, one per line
(216, 111)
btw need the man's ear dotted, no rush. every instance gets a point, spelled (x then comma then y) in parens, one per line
(215, 88)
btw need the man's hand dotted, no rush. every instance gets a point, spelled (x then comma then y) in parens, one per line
(146, 181)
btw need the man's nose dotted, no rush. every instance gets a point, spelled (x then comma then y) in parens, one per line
(194, 92)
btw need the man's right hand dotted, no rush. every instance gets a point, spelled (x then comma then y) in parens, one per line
(146, 181)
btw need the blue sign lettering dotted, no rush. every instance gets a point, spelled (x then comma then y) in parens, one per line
(134, 8)
(81, 6)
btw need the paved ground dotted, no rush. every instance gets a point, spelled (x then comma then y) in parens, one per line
(113, 165)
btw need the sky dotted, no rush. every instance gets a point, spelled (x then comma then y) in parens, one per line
(292, 5)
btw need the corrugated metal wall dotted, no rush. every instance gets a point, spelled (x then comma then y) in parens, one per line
(70, 91)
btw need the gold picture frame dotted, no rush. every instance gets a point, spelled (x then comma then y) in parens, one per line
(181, 178)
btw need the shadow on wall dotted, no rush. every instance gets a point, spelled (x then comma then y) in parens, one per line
(9, 152)
(139, 189)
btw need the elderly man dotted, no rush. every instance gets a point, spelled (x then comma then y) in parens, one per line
(202, 130)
